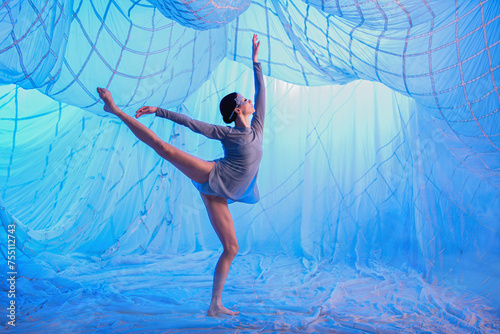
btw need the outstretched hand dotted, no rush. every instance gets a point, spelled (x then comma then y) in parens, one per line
(145, 111)
(255, 48)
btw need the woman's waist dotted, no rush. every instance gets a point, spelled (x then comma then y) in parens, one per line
(239, 166)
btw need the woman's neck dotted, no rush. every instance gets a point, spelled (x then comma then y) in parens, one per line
(242, 122)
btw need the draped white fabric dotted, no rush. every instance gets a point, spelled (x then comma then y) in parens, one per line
(385, 191)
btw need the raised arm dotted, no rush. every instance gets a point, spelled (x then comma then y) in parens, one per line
(208, 130)
(260, 92)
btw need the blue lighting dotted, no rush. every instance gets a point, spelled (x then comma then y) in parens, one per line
(379, 179)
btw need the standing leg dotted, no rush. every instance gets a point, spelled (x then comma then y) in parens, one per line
(195, 168)
(221, 220)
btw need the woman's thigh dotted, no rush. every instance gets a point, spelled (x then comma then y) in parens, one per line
(222, 222)
(193, 167)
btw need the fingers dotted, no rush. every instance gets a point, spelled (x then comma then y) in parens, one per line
(139, 113)
(256, 44)
(255, 40)
(143, 111)
(255, 47)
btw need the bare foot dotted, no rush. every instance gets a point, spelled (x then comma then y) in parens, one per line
(215, 310)
(109, 104)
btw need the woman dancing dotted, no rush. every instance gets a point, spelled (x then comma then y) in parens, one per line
(232, 178)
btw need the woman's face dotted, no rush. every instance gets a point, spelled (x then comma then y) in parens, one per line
(244, 105)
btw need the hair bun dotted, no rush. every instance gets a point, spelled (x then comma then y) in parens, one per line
(226, 106)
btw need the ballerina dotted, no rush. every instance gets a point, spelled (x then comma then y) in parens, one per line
(222, 181)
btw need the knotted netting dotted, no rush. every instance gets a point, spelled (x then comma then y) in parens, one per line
(379, 182)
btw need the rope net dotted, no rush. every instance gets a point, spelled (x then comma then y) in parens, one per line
(379, 182)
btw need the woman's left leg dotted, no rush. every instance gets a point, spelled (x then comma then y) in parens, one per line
(222, 222)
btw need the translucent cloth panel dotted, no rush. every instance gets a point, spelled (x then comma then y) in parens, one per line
(66, 48)
(377, 207)
(207, 14)
(360, 225)
(444, 54)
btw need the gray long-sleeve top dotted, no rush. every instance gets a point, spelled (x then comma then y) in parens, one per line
(233, 176)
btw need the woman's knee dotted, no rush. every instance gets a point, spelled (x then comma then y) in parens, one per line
(232, 249)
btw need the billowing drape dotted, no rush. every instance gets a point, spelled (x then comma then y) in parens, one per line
(379, 197)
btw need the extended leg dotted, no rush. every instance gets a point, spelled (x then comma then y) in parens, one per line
(194, 168)
(221, 220)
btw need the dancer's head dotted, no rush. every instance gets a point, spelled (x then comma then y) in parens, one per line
(233, 104)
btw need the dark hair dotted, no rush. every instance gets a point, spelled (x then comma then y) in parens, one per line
(226, 106)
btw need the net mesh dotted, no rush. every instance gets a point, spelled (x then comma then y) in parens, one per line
(379, 196)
